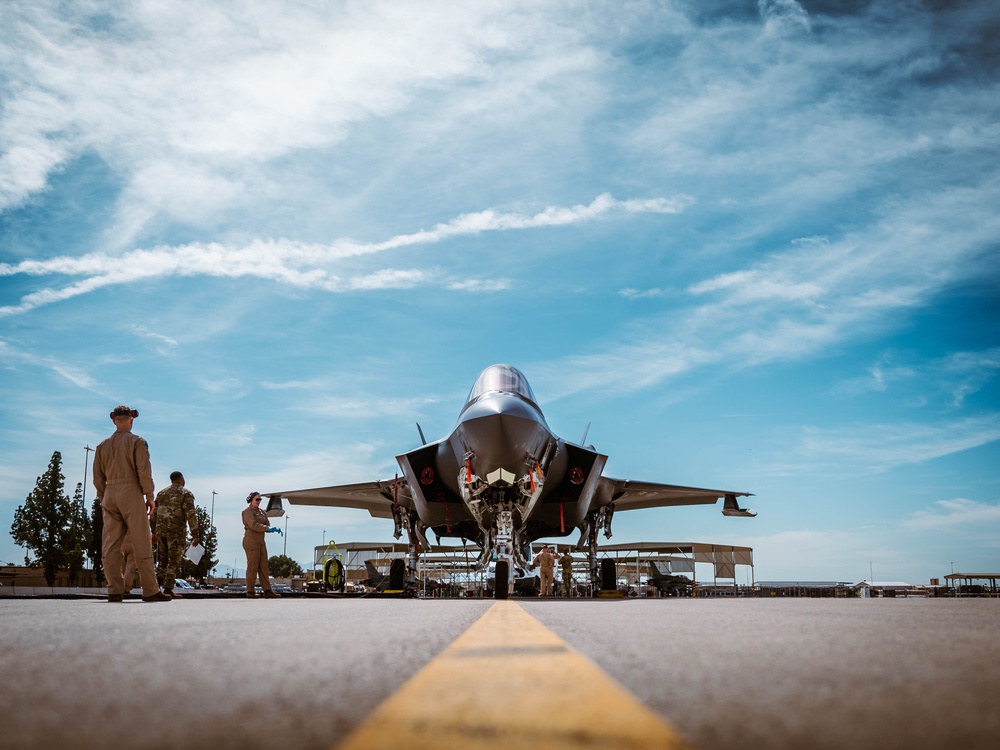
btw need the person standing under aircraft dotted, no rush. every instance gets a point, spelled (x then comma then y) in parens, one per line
(546, 562)
(122, 477)
(255, 525)
(566, 564)
(174, 507)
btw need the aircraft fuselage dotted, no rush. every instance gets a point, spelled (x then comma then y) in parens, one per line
(501, 458)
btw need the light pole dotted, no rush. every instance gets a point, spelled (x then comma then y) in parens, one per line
(214, 493)
(86, 460)
(284, 551)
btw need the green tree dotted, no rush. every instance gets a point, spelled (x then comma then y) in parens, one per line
(282, 566)
(43, 524)
(208, 537)
(95, 550)
(77, 537)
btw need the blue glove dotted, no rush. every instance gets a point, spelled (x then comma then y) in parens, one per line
(274, 528)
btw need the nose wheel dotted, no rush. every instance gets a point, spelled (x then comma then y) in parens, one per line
(501, 584)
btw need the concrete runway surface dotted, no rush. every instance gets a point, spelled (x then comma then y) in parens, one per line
(303, 672)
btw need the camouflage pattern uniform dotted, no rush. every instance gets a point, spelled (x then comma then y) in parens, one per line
(174, 506)
(566, 563)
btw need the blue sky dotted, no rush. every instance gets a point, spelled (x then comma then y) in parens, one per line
(753, 244)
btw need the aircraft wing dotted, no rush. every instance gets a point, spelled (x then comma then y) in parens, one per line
(630, 495)
(375, 497)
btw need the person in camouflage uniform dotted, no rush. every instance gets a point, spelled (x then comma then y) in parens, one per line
(174, 507)
(566, 563)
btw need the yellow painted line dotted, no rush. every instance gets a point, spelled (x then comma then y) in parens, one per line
(510, 682)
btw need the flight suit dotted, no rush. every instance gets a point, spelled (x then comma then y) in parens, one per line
(122, 476)
(255, 525)
(128, 570)
(546, 563)
(174, 508)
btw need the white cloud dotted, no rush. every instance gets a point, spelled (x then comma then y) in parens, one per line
(630, 293)
(368, 408)
(75, 375)
(305, 265)
(805, 299)
(956, 513)
(144, 332)
(881, 447)
(955, 377)
(783, 16)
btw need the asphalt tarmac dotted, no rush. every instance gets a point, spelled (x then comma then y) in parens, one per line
(304, 672)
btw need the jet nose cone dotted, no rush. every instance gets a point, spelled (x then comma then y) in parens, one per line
(501, 431)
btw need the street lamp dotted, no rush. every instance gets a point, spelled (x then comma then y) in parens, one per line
(284, 551)
(83, 500)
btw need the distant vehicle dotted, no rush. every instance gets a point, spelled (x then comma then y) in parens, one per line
(283, 588)
(234, 588)
(183, 585)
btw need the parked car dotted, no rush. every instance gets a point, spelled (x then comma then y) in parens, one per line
(234, 588)
(182, 586)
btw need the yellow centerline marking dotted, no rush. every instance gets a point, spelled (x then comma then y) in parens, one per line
(508, 681)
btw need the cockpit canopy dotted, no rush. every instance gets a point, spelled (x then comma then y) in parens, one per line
(502, 379)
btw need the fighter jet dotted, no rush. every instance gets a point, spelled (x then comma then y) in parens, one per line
(669, 583)
(503, 479)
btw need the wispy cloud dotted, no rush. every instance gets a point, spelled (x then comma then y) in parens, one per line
(144, 332)
(304, 265)
(881, 447)
(240, 435)
(74, 375)
(630, 293)
(955, 514)
(803, 299)
(368, 408)
(954, 378)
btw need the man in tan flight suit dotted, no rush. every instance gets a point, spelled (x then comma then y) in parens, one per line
(122, 476)
(546, 562)
(128, 570)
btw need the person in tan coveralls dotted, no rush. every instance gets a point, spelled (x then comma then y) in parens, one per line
(122, 476)
(255, 525)
(128, 570)
(546, 562)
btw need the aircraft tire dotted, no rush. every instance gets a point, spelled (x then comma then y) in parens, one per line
(502, 574)
(609, 575)
(397, 575)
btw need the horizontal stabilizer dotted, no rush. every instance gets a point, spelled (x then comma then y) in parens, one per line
(732, 508)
